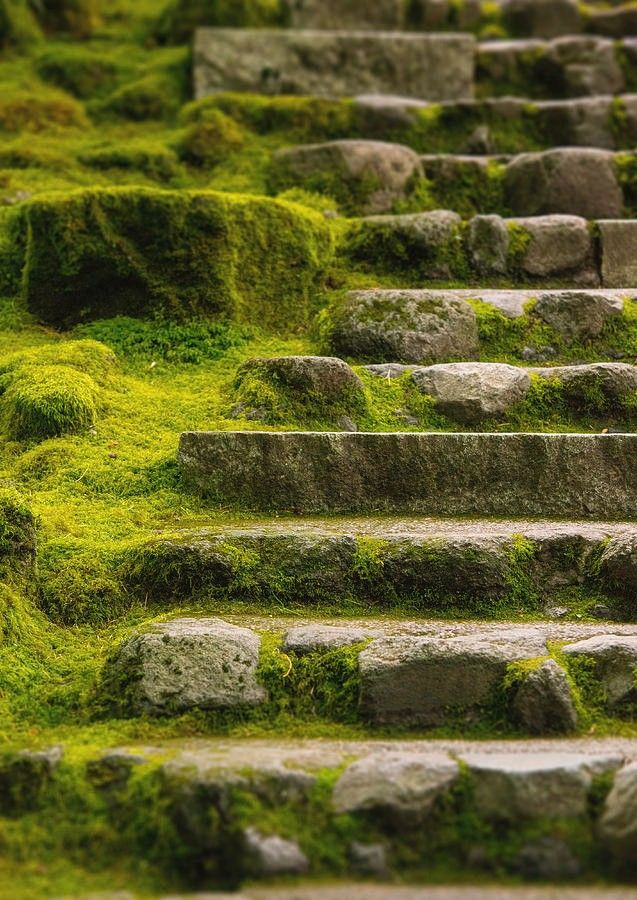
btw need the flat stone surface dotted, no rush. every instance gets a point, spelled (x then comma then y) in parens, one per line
(559, 245)
(618, 242)
(472, 392)
(512, 302)
(551, 475)
(333, 63)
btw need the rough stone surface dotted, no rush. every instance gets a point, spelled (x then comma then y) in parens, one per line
(333, 63)
(512, 786)
(543, 703)
(186, 664)
(586, 65)
(24, 776)
(309, 638)
(585, 122)
(577, 315)
(547, 859)
(618, 243)
(489, 244)
(542, 18)
(574, 181)
(471, 392)
(617, 22)
(618, 824)
(401, 787)
(417, 681)
(618, 563)
(406, 326)
(382, 171)
(552, 475)
(616, 664)
(612, 383)
(271, 855)
(368, 859)
(558, 245)
(307, 381)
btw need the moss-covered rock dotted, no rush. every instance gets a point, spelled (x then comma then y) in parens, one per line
(79, 18)
(96, 254)
(17, 535)
(84, 73)
(211, 139)
(180, 18)
(47, 401)
(18, 26)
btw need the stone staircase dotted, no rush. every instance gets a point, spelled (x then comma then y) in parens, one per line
(475, 587)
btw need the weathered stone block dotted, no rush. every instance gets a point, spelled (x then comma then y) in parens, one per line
(542, 18)
(578, 316)
(559, 246)
(471, 392)
(618, 824)
(615, 659)
(543, 702)
(618, 243)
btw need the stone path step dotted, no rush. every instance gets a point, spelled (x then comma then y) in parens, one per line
(481, 567)
(577, 181)
(554, 251)
(555, 475)
(539, 810)
(334, 63)
(534, 679)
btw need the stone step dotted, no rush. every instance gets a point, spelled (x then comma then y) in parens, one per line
(549, 811)
(579, 181)
(532, 18)
(480, 568)
(476, 474)
(433, 326)
(439, 246)
(333, 63)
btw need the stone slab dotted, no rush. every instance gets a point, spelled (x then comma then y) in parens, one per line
(333, 63)
(618, 245)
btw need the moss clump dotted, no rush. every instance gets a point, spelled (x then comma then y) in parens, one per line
(45, 111)
(152, 160)
(181, 17)
(87, 356)
(96, 254)
(83, 73)
(211, 140)
(47, 401)
(78, 18)
(17, 537)
(152, 97)
(18, 25)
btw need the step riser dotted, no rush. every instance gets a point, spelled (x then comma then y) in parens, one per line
(427, 67)
(480, 575)
(560, 476)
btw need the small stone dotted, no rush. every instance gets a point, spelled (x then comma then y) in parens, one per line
(347, 424)
(489, 244)
(601, 611)
(543, 703)
(271, 855)
(368, 859)
(547, 859)
(472, 392)
(310, 638)
(578, 316)
(388, 370)
(556, 612)
(615, 656)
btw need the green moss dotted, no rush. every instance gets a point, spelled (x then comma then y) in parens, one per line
(18, 25)
(211, 140)
(153, 160)
(46, 401)
(17, 546)
(47, 110)
(97, 254)
(180, 18)
(150, 98)
(626, 166)
(83, 73)
(78, 18)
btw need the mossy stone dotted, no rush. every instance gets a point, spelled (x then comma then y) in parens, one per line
(47, 401)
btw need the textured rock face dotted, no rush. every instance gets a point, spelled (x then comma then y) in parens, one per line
(418, 680)
(186, 664)
(587, 65)
(489, 244)
(618, 825)
(615, 659)
(618, 240)
(471, 392)
(542, 18)
(270, 855)
(332, 63)
(399, 787)
(380, 173)
(573, 181)
(558, 245)
(578, 316)
(553, 475)
(543, 703)
(510, 786)
(619, 563)
(406, 326)
(600, 386)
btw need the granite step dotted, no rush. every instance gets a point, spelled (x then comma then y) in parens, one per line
(334, 63)
(475, 474)
(538, 810)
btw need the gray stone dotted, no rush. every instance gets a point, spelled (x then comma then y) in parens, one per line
(368, 859)
(270, 855)
(24, 776)
(585, 122)
(579, 316)
(595, 387)
(381, 172)
(333, 63)
(618, 563)
(326, 14)
(471, 392)
(616, 23)
(558, 246)
(401, 787)
(489, 244)
(547, 858)
(542, 18)
(347, 424)
(618, 242)
(418, 680)
(186, 664)
(309, 638)
(618, 823)
(567, 476)
(587, 65)
(408, 326)
(543, 703)
(578, 181)
(615, 657)
(388, 370)
(318, 385)
(527, 785)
